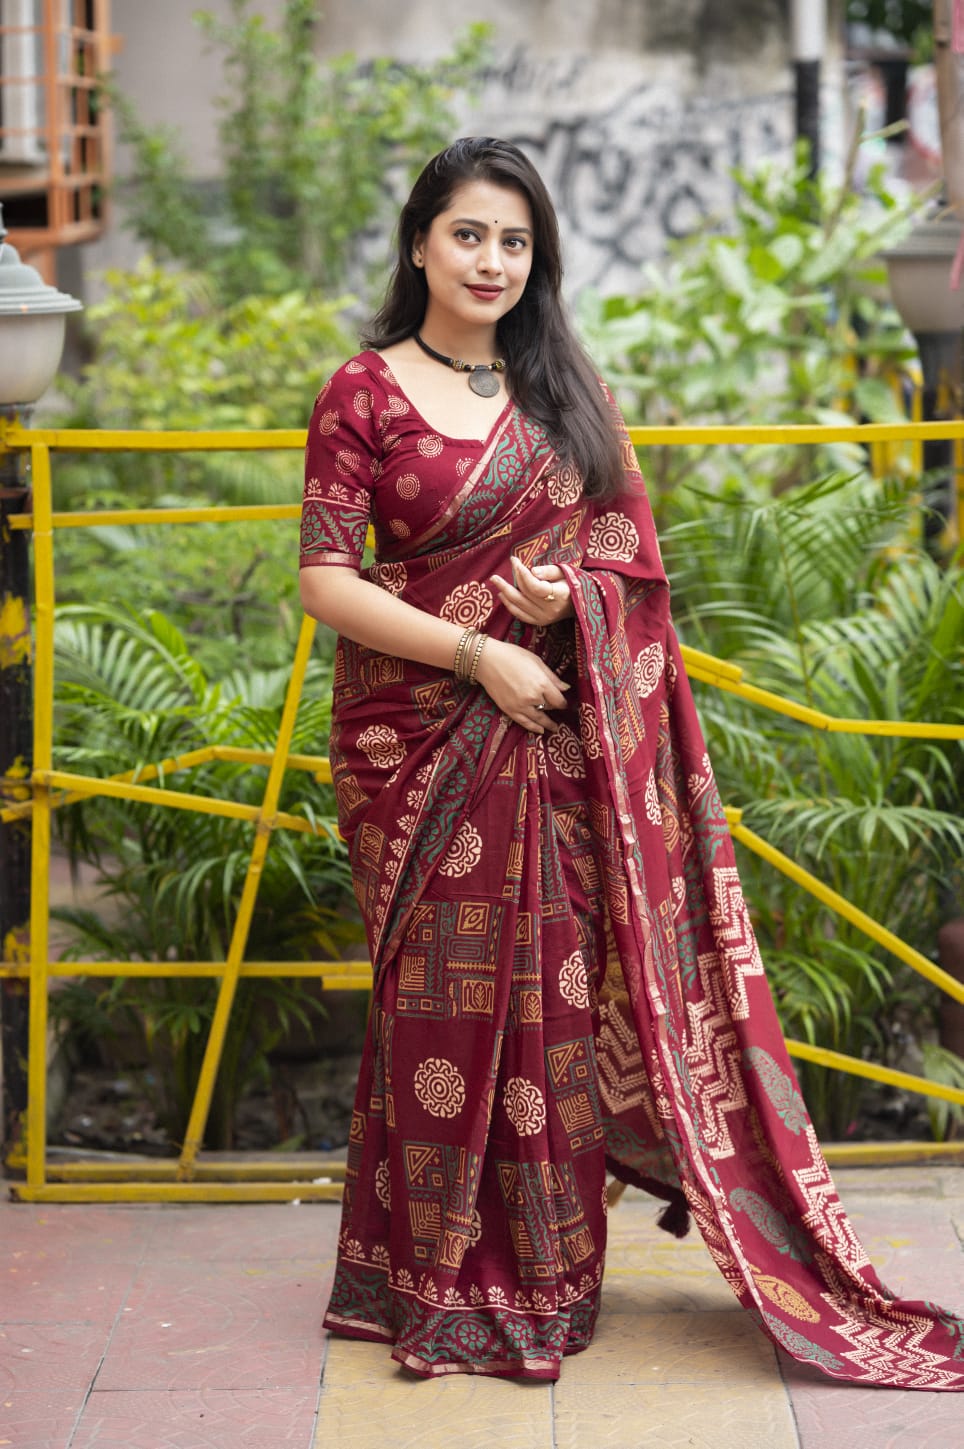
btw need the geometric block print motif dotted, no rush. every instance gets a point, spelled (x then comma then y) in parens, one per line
(712, 1060)
(447, 961)
(546, 1223)
(525, 1001)
(441, 1185)
(573, 1077)
(825, 1215)
(623, 1078)
(730, 920)
(552, 884)
(886, 1342)
(380, 1098)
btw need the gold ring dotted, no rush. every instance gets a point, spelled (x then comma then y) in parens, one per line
(551, 596)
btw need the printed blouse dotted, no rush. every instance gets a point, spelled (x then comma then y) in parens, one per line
(372, 458)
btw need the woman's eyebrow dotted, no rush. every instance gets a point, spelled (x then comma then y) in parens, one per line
(484, 225)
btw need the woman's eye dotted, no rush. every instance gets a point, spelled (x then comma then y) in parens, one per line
(463, 234)
(517, 243)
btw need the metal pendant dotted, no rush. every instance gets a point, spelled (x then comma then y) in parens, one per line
(483, 382)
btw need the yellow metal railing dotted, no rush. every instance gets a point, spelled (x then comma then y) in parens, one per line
(192, 1177)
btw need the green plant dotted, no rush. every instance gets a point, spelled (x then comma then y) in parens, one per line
(782, 319)
(169, 356)
(307, 150)
(944, 1066)
(172, 353)
(130, 693)
(232, 588)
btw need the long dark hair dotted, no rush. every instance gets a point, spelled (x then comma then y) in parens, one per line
(549, 375)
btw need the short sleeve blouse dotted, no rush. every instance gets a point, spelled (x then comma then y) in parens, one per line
(372, 458)
(342, 457)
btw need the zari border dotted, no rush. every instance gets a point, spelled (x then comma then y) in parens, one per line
(330, 556)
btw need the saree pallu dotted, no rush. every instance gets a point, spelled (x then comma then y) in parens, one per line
(566, 978)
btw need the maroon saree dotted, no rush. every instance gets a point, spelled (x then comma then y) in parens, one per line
(566, 977)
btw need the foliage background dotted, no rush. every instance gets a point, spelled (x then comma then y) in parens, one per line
(796, 563)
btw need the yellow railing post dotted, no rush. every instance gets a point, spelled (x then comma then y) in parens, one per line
(43, 721)
(239, 936)
(16, 761)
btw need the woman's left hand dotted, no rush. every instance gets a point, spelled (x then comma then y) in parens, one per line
(538, 596)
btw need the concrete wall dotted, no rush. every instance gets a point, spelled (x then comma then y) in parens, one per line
(634, 110)
(173, 77)
(167, 68)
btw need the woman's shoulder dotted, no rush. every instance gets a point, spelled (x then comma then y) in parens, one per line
(367, 369)
(353, 397)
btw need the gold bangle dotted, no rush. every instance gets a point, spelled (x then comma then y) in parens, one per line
(461, 649)
(474, 667)
(470, 639)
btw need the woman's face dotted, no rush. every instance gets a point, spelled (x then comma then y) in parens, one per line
(477, 255)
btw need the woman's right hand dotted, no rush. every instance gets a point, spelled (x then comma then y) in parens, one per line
(521, 684)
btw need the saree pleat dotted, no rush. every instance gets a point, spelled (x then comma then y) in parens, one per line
(501, 1228)
(566, 976)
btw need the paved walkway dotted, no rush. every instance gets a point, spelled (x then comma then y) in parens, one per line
(198, 1328)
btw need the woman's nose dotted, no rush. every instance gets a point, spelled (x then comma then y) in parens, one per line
(490, 256)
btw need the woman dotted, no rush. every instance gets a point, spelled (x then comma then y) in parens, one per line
(566, 980)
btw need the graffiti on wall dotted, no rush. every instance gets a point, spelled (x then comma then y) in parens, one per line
(647, 166)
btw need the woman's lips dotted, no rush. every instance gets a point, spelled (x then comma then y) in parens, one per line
(486, 294)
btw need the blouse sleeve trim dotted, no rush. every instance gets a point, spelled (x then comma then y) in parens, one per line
(330, 556)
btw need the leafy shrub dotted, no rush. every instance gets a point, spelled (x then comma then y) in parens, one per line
(783, 319)
(131, 693)
(308, 151)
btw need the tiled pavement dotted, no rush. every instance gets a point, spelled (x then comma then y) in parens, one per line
(197, 1328)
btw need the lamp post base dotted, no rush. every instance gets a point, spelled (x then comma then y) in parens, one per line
(940, 360)
(16, 763)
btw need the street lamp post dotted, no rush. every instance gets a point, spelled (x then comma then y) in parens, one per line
(808, 34)
(919, 270)
(32, 321)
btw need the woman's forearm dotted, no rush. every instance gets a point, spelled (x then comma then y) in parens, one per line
(518, 681)
(369, 615)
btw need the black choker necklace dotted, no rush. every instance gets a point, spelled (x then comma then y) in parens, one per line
(481, 374)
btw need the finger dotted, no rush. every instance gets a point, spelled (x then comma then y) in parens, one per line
(548, 573)
(554, 698)
(545, 591)
(527, 582)
(520, 605)
(510, 596)
(534, 726)
(538, 724)
(549, 696)
(550, 725)
(561, 684)
(536, 592)
(524, 613)
(533, 611)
